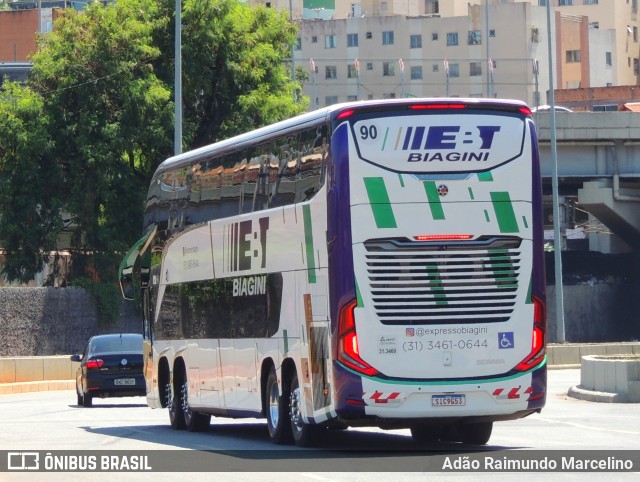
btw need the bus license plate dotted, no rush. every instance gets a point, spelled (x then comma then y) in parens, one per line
(456, 400)
(124, 381)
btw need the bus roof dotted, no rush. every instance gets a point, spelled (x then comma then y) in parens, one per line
(320, 116)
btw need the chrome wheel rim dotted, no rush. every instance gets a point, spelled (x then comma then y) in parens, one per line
(274, 406)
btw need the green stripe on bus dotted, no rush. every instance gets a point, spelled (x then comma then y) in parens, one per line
(486, 216)
(471, 194)
(380, 204)
(529, 299)
(401, 180)
(485, 176)
(436, 284)
(524, 221)
(434, 200)
(285, 339)
(308, 241)
(505, 214)
(384, 142)
(359, 302)
(501, 265)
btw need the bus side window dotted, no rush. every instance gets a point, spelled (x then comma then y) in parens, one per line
(312, 162)
(283, 192)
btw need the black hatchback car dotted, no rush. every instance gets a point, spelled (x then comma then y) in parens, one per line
(111, 366)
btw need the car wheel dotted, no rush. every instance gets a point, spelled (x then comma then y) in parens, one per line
(87, 400)
(80, 399)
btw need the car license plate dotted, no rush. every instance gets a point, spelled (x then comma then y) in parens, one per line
(124, 381)
(450, 400)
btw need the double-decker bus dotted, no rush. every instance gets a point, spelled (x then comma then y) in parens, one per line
(376, 263)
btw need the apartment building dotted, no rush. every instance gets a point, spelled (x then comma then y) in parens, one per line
(394, 56)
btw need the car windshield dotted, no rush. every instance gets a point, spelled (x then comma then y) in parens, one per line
(117, 344)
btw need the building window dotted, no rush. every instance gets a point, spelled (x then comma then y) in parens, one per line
(314, 39)
(330, 72)
(331, 99)
(452, 39)
(475, 69)
(636, 66)
(298, 45)
(388, 69)
(387, 38)
(369, 96)
(369, 35)
(415, 41)
(565, 3)
(389, 95)
(434, 36)
(492, 33)
(454, 70)
(369, 65)
(591, 2)
(475, 37)
(635, 34)
(435, 68)
(351, 71)
(608, 59)
(573, 56)
(384, 6)
(352, 40)
(352, 98)
(329, 41)
(416, 72)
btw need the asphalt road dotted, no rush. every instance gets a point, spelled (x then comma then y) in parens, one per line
(51, 421)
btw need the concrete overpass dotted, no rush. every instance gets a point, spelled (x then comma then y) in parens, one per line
(599, 164)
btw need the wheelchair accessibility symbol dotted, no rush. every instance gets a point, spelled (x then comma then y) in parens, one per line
(505, 340)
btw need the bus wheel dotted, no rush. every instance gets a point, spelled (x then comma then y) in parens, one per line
(176, 415)
(426, 434)
(475, 433)
(194, 421)
(304, 434)
(277, 408)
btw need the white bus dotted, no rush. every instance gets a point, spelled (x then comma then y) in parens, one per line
(368, 264)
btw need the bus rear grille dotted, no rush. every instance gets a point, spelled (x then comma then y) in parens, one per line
(417, 283)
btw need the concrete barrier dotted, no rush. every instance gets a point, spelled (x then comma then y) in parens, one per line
(609, 378)
(37, 373)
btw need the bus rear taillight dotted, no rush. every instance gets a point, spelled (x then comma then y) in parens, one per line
(348, 351)
(437, 106)
(538, 348)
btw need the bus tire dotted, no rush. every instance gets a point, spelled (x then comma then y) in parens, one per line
(475, 433)
(426, 434)
(304, 434)
(277, 408)
(193, 421)
(176, 415)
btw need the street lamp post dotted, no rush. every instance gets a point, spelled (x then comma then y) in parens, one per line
(557, 240)
(177, 133)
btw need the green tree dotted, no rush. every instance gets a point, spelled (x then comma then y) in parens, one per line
(29, 184)
(99, 115)
(236, 74)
